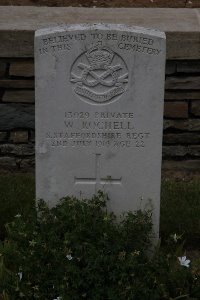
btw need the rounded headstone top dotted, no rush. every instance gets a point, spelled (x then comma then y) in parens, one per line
(100, 26)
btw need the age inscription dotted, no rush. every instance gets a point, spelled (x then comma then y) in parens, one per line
(98, 129)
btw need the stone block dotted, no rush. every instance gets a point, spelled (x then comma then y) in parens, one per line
(32, 136)
(195, 108)
(3, 136)
(194, 125)
(182, 95)
(182, 83)
(14, 164)
(8, 163)
(27, 165)
(1, 93)
(184, 125)
(181, 138)
(16, 43)
(179, 43)
(19, 136)
(100, 3)
(192, 3)
(16, 116)
(184, 165)
(3, 67)
(113, 3)
(181, 151)
(17, 150)
(22, 68)
(16, 83)
(188, 66)
(176, 110)
(174, 151)
(194, 150)
(23, 96)
(170, 67)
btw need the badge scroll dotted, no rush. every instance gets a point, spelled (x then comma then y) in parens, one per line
(99, 75)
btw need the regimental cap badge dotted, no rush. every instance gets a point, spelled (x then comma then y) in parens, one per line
(99, 57)
(99, 75)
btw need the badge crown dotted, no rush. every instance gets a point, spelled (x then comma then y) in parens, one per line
(99, 57)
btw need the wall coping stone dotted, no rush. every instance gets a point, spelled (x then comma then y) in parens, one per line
(18, 23)
(111, 3)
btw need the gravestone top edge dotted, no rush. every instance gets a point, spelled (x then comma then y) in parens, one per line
(99, 26)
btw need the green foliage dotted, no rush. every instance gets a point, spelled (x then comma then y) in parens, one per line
(180, 205)
(180, 209)
(17, 193)
(78, 250)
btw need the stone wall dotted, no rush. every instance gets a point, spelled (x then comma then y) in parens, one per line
(181, 139)
(106, 3)
(16, 114)
(181, 142)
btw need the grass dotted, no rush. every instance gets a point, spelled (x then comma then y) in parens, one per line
(180, 210)
(180, 205)
(17, 194)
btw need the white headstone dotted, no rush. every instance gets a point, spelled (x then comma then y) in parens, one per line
(99, 114)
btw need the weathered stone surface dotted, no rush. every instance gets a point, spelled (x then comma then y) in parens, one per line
(105, 3)
(27, 164)
(18, 150)
(16, 42)
(195, 108)
(32, 136)
(16, 116)
(8, 163)
(20, 136)
(2, 68)
(17, 26)
(180, 45)
(180, 151)
(17, 83)
(183, 83)
(23, 68)
(170, 67)
(93, 129)
(192, 3)
(3, 136)
(188, 125)
(184, 165)
(188, 66)
(1, 93)
(181, 138)
(23, 96)
(173, 151)
(194, 150)
(14, 164)
(182, 95)
(176, 110)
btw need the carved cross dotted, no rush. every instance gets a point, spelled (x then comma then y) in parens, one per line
(97, 180)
